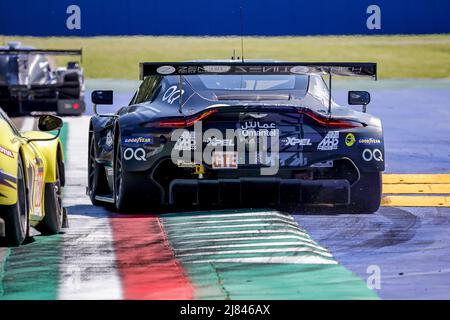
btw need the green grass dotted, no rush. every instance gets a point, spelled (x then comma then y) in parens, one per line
(397, 56)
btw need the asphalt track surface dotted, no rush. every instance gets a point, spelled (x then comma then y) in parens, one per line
(261, 254)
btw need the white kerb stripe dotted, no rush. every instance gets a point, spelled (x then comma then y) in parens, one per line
(76, 163)
(249, 251)
(232, 215)
(261, 244)
(288, 231)
(264, 260)
(270, 237)
(88, 269)
(191, 223)
(241, 226)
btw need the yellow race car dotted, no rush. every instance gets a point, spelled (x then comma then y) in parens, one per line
(31, 180)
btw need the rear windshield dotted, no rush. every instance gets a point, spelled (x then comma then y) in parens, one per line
(248, 82)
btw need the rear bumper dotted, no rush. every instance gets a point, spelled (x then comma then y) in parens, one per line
(258, 191)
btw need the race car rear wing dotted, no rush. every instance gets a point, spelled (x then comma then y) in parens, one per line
(49, 52)
(356, 69)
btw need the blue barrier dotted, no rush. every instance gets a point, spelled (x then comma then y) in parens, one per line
(219, 18)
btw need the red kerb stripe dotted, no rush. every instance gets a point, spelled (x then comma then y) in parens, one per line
(146, 263)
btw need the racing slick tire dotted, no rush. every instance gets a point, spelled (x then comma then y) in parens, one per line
(365, 195)
(123, 181)
(96, 176)
(16, 216)
(53, 219)
(132, 190)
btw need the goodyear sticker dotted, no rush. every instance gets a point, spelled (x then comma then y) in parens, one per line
(138, 140)
(369, 141)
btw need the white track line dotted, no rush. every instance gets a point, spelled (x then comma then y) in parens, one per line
(76, 161)
(250, 251)
(88, 269)
(261, 244)
(27, 124)
(264, 260)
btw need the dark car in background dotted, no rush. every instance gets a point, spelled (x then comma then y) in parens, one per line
(30, 83)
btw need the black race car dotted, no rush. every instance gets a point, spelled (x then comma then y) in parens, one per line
(237, 134)
(30, 84)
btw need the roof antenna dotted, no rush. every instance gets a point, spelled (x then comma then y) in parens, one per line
(242, 33)
(329, 94)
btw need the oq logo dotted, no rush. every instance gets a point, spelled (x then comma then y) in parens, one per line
(137, 154)
(369, 155)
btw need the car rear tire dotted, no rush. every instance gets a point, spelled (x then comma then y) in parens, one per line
(96, 176)
(122, 182)
(365, 195)
(53, 219)
(16, 216)
(133, 191)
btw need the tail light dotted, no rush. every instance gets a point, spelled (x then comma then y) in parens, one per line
(329, 122)
(181, 122)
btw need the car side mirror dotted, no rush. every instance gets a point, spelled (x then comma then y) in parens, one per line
(359, 98)
(49, 123)
(102, 97)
